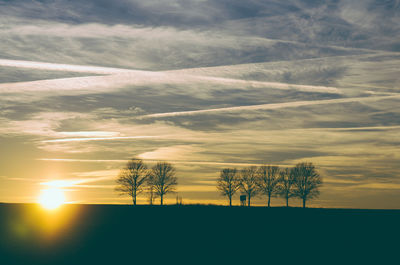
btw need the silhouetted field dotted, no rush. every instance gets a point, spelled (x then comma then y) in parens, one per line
(123, 234)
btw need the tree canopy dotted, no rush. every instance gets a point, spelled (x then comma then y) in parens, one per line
(162, 179)
(228, 183)
(132, 178)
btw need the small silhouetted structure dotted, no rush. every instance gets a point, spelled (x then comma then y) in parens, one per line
(179, 200)
(243, 200)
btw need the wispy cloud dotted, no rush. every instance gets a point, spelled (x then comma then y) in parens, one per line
(234, 164)
(82, 160)
(89, 134)
(99, 139)
(69, 183)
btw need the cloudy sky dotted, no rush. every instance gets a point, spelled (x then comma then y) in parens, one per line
(205, 84)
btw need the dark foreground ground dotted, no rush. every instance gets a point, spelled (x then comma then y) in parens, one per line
(111, 234)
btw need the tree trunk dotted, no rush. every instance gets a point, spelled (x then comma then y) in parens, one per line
(287, 201)
(161, 199)
(269, 200)
(230, 201)
(134, 192)
(151, 195)
(304, 202)
(249, 201)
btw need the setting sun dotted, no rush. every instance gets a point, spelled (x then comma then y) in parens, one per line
(52, 198)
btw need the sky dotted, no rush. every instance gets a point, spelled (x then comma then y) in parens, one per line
(204, 84)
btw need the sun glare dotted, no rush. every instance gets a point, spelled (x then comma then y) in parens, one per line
(52, 198)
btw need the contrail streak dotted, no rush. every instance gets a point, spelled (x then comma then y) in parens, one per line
(268, 106)
(116, 78)
(61, 67)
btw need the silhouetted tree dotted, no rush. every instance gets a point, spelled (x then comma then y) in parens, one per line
(228, 183)
(150, 191)
(286, 183)
(132, 178)
(248, 182)
(267, 181)
(162, 178)
(307, 182)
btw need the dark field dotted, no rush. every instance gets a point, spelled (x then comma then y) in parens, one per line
(111, 234)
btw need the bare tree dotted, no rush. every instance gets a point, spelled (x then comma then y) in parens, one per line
(248, 182)
(267, 181)
(132, 178)
(228, 183)
(307, 182)
(286, 183)
(150, 191)
(162, 178)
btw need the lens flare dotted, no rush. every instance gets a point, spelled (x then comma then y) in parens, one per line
(52, 199)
